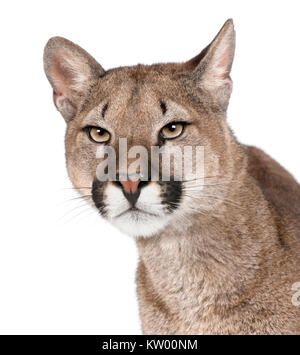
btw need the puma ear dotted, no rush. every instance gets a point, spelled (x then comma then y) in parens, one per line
(71, 71)
(210, 69)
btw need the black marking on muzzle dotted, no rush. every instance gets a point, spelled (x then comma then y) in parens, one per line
(171, 194)
(98, 195)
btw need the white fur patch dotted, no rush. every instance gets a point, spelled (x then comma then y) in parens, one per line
(80, 70)
(145, 222)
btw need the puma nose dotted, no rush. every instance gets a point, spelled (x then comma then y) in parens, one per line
(130, 186)
(130, 190)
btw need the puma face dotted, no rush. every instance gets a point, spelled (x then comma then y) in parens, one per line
(169, 106)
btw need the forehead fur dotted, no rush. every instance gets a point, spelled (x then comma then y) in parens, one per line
(164, 81)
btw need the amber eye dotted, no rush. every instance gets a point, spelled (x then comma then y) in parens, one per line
(172, 130)
(98, 134)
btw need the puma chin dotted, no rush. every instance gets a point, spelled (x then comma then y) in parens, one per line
(155, 205)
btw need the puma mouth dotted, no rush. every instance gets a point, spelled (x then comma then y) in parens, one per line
(140, 223)
(136, 213)
(143, 217)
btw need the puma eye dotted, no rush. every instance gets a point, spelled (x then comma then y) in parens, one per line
(98, 134)
(172, 130)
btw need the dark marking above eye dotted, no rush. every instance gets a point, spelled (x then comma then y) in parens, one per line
(104, 109)
(163, 107)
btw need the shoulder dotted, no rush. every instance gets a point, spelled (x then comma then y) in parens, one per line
(278, 185)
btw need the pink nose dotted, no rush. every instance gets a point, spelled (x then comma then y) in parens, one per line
(130, 186)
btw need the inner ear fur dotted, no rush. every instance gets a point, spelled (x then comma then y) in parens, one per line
(70, 71)
(211, 68)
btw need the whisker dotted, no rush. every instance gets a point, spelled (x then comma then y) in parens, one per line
(203, 178)
(198, 188)
(81, 213)
(73, 209)
(77, 188)
(80, 197)
(221, 199)
(204, 184)
(85, 197)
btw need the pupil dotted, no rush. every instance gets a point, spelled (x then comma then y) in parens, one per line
(100, 132)
(172, 127)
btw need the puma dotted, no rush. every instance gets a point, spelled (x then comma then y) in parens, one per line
(218, 257)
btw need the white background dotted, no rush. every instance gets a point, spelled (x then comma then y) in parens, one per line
(62, 269)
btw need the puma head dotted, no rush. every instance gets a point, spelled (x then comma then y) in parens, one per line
(166, 105)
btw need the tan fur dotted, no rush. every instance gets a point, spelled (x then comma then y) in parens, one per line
(226, 261)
